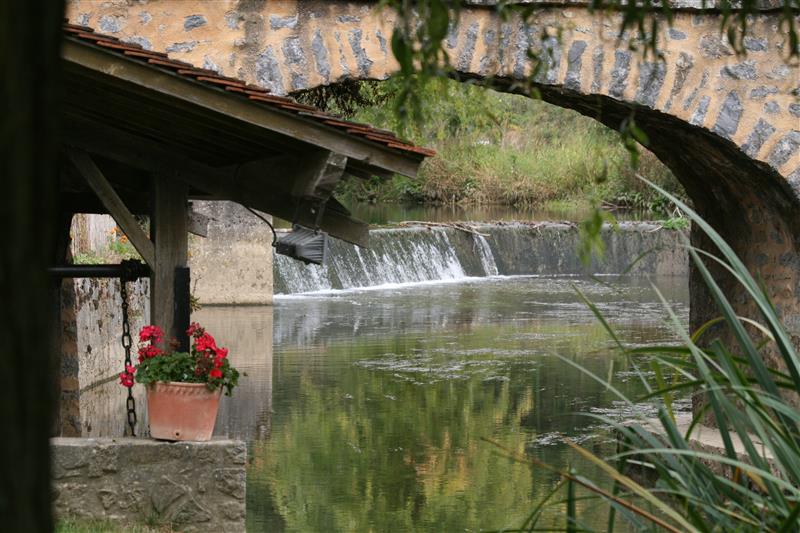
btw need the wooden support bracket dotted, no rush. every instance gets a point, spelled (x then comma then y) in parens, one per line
(114, 204)
(317, 174)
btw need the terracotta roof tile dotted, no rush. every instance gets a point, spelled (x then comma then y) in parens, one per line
(254, 93)
(171, 63)
(146, 54)
(128, 47)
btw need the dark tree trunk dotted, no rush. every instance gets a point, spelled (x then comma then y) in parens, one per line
(30, 36)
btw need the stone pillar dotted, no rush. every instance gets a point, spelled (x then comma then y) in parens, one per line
(233, 264)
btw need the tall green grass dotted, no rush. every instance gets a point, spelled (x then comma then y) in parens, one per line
(753, 483)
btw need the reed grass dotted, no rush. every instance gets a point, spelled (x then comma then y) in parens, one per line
(750, 486)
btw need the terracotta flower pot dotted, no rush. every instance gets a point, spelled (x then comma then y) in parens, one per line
(182, 411)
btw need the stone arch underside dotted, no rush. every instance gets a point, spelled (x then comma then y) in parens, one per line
(728, 126)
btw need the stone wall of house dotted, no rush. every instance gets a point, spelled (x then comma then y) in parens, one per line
(189, 486)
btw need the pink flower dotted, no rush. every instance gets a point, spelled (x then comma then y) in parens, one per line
(154, 334)
(215, 373)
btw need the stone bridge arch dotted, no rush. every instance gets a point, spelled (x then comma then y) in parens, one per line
(727, 126)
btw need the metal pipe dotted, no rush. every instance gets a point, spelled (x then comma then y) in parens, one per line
(130, 271)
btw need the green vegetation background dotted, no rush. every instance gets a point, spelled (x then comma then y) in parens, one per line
(497, 148)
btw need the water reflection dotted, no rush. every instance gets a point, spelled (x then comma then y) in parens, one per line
(384, 400)
(247, 333)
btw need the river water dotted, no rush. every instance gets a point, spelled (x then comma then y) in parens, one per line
(380, 410)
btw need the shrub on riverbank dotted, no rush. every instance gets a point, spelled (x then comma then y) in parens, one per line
(497, 148)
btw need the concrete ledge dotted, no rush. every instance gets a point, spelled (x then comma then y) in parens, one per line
(708, 440)
(192, 486)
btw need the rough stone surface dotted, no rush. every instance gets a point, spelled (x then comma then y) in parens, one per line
(277, 22)
(729, 116)
(651, 79)
(573, 79)
(191, 486)
(619, 76)
(194, 21)
(340, 40)
(785, 149)
(233, 264)
(321, 55)
(468, 50)
(699, 114)
(676, 35)
(758, 137)
(745, 70)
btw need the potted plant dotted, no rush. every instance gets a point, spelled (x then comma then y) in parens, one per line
(183, 389)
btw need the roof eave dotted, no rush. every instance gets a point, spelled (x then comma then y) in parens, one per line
(297, 127)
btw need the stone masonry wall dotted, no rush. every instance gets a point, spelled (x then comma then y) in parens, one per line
(190, 486)
(92, 401)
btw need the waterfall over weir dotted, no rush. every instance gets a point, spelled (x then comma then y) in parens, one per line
(414, 255)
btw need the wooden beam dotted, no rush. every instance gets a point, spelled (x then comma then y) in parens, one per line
(317, 175)
(261, 185)
(169, 225)
(177, 90)
(112, 202)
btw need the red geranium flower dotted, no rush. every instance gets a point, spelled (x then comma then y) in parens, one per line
(194, 330)
(222, 353)
(215, 373)
(154, 334)
(126, 379)
(148, 351)
(205, 342)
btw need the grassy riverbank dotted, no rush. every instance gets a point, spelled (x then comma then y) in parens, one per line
(496, 148)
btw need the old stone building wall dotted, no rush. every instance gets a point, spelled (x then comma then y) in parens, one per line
(92, 402)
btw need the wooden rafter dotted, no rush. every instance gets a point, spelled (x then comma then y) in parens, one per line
(114, 204)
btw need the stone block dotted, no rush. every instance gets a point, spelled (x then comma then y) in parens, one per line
(189, 486)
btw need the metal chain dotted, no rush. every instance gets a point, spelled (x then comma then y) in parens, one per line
(127, 342)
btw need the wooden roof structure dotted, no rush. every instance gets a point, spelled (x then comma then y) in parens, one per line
(144, 134)
(139, 112)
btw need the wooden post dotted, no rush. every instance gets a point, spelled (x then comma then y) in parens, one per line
(169, 231)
